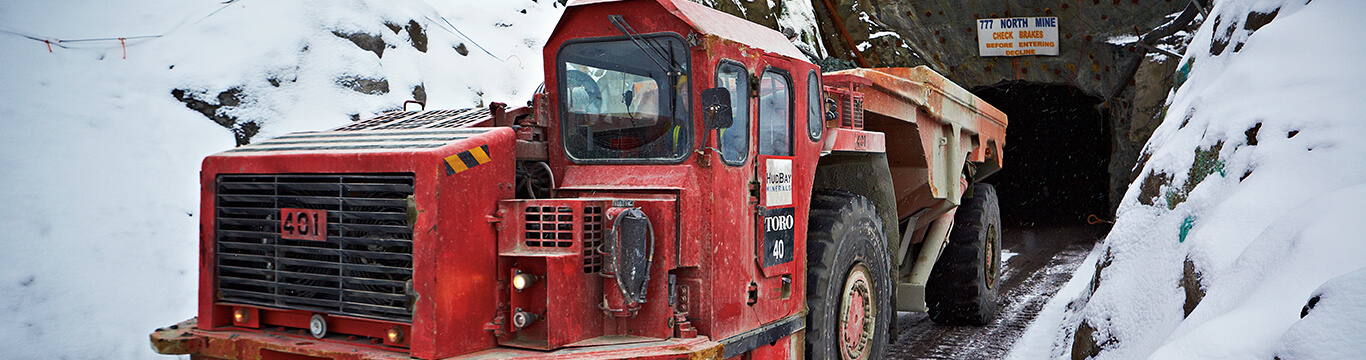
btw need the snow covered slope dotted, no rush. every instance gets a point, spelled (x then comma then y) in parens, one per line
(101, 138)
(1249, 204)
(100, 149)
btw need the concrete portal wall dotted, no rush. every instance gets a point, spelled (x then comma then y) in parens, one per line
(944, 35)
(1131, 83)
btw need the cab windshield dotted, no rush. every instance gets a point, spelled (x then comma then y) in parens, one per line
(625, 102)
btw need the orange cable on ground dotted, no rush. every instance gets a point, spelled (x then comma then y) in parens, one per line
(1093, 219)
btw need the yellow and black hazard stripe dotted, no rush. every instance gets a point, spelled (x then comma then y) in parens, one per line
(467, 159)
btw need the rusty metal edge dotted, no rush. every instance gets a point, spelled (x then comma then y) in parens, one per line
(186, 338)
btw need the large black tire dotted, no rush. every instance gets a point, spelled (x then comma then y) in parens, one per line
(962, 289)
(848, 277)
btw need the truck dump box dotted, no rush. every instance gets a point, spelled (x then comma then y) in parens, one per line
(935, 132)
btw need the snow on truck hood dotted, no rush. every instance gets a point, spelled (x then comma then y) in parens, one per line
(397, 130)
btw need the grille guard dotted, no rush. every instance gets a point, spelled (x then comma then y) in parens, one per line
(364, 266)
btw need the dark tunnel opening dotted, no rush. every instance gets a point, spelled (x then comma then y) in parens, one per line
(1056, 154)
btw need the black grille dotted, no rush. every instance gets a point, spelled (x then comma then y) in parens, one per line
(851, 116)
(363, 269)
(433, 119)
(549, 226)
(467, 118)
(592, 239)
(378, 120)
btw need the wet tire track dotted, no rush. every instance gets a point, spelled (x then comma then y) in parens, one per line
(1044, 261)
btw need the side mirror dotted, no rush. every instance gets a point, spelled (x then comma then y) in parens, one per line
(832, 109)
(716, 108)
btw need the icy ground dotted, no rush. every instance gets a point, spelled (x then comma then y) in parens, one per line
(1241, 239)
(99, 162)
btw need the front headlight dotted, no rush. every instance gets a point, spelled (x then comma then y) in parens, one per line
(523, 280)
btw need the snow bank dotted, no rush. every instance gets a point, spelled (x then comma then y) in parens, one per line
(99, 160)
(1250, 197)
(1333, 324)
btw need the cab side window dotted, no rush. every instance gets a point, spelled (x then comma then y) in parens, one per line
(734, 140)
(775, 115)
(815, 123)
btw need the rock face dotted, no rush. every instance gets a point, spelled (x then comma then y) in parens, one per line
(796, 19)
(1234, 216)
(1099, 42)
(238, 107)
(1097, 54)
(1135, 115)
(1191, 283)
(334, 60)
(371, 43)
(242, 131)
(944, 36)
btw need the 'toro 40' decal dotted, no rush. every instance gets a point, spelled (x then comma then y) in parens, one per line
(779, 224)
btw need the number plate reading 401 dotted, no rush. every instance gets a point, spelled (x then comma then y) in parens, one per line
(303, 224)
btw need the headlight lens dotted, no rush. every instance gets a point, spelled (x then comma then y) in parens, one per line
(521, 319)
(241, 315)
(522, 281)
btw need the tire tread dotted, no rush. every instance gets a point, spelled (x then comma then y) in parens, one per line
(956, 292)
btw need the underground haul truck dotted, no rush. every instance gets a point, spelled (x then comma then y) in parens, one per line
(687, 186)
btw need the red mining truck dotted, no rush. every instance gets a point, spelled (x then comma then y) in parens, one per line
(687, 186)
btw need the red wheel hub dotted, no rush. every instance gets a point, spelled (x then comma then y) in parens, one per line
(857, 311)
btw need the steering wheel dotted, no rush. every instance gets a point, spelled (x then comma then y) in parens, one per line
(632, 138)
(580, 79)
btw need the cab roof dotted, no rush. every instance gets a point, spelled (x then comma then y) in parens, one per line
(710, 21)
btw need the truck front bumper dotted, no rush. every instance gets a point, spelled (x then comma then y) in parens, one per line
(186, 338)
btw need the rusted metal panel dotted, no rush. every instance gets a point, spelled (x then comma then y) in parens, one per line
(699, 348)
(443, 245)
(559, 241)
(840, 139)
(185, 338)
(177, 339)
(903, 90)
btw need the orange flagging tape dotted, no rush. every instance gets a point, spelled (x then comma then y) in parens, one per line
(125, 48)
(1093, 219)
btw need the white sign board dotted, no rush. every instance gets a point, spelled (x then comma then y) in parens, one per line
(1017, 36)
(778, 183)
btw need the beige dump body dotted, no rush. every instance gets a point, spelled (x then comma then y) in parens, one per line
(935, 130)
(939, 139)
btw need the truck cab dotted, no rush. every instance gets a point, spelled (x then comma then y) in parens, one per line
(686, 185)
(727, 204)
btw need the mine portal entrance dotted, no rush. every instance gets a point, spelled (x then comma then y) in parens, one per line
(1056, 154)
